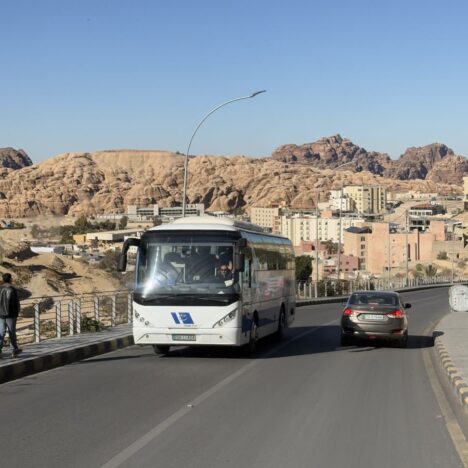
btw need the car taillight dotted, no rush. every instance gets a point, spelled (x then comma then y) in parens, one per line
(396, 314)
(348, 312)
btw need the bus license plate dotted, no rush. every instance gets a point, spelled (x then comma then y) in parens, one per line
(184, 337)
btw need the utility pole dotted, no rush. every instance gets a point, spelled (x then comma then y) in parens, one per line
(388, 255)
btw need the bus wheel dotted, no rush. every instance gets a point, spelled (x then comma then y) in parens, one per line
(281, 325)
(161, 349)
(253, 338)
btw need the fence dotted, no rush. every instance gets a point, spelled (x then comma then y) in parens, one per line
(330, 288)
(48, 317)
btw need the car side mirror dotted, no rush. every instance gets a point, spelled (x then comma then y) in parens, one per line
(407, 305)
(122, 265)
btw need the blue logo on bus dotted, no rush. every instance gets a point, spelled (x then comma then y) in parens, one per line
(183, 318)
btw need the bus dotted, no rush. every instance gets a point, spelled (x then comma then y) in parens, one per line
(210, 281)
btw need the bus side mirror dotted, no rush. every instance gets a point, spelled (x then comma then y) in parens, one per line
(239, 262)
(130, 242)
(122, 264)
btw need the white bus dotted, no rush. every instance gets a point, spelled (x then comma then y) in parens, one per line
(210, 281)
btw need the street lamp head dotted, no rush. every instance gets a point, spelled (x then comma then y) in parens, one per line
(257, 93)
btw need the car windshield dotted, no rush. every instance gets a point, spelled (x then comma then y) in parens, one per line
(179, 268)
(373, 299)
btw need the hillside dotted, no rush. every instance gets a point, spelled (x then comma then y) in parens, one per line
(107, 181)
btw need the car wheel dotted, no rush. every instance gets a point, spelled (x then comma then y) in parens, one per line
(346, 340)
(161, 349)
(403, 341)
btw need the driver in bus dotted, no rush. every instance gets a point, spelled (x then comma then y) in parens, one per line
(224, 272)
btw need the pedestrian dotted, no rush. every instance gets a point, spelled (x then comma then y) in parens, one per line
(9, 310)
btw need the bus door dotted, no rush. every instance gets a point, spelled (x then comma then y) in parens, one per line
(248, 290)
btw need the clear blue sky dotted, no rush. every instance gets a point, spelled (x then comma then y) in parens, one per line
(89, 75)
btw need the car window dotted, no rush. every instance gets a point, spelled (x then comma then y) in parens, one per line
(373, 299)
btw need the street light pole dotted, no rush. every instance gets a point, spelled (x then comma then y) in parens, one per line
(184, 199)
(316, 239)
(407, 249)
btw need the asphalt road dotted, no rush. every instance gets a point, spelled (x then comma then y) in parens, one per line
(306, 402)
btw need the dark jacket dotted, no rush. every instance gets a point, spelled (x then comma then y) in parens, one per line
(9, 302)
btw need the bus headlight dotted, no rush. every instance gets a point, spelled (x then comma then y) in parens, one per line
(227, 318)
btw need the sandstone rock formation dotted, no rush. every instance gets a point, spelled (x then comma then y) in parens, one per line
(436, 161)
(108, 181)
(14, 159)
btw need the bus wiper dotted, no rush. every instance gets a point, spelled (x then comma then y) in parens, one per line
(201, 298)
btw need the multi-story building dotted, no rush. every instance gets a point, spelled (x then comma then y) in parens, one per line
(264, 217)
(380, 248)
(304, 228)
(367, 199)
(152, 211)
(426, 209)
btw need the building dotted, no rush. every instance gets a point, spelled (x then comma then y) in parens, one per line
(367, 199)
(264, 217)
(349, 265)
(135, 212)
(426, 209)
(381, 248)
(304, 228)
(113, 236)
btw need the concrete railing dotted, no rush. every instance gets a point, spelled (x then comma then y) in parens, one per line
(48, 317)
(328, 288)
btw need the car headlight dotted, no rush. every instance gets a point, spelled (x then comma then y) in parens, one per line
(227, 318)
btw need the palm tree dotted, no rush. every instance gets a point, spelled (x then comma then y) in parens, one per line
(430, 270)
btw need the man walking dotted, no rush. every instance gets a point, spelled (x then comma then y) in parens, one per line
(9, 310)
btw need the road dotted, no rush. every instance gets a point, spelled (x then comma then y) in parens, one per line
(306, 402)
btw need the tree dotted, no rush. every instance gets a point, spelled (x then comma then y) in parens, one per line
(331, 247)
(303, 267)
(82, 225)
(442, 255)
(123, 222)
(430, 270)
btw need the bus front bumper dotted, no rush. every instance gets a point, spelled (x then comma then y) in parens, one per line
(220, 336)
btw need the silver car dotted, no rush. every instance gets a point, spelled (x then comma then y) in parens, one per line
(373, 315)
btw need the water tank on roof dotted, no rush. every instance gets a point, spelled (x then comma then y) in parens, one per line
(458, 298)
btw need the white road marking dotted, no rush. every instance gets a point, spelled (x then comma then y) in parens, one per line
(140, 443)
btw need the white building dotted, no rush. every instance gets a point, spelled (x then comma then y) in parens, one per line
(304, 228)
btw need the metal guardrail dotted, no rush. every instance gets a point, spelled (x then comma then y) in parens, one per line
(42, 318)
(329, 288)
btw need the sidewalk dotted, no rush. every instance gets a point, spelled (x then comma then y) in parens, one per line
(451, 344)
(38, 357)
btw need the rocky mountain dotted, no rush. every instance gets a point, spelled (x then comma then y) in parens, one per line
(435, 160)
(108, 181)
(331, 152)
(14, 159)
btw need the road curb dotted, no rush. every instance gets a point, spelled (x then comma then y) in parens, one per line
(44, 362)
(458, 383)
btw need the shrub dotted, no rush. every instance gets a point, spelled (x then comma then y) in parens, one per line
(442, 256)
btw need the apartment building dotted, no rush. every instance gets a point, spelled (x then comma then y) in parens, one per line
(152, 211)
(304, 228)
(367, 199)
(380, 248)
(264, 217)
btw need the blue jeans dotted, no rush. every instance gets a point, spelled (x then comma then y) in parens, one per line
(10, 324)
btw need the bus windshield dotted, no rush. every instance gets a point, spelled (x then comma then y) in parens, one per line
(191, 266)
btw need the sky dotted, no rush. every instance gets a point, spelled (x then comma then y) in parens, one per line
(94, 75)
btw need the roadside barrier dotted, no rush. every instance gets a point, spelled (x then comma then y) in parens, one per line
(47, 317)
